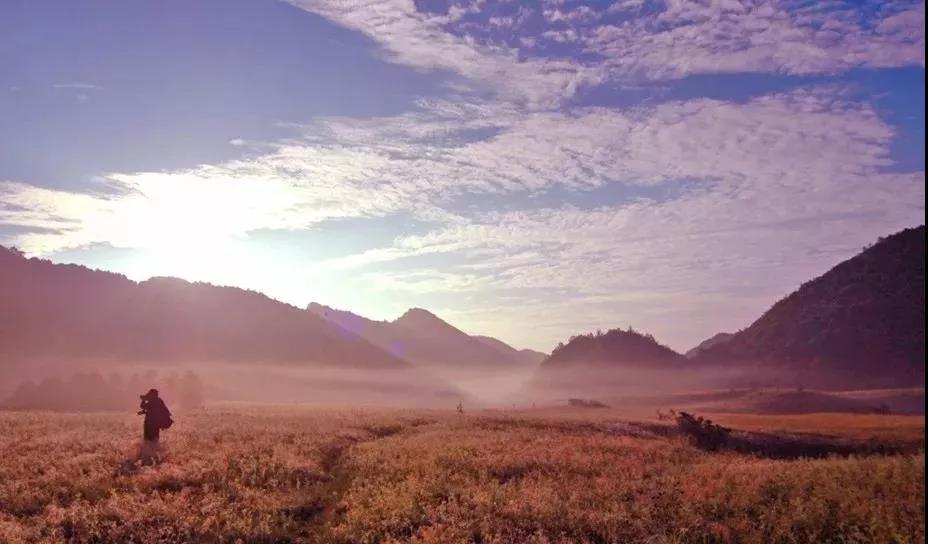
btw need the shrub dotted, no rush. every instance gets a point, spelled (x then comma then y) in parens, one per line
(702, 432)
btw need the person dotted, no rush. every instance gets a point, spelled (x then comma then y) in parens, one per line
(157, 416)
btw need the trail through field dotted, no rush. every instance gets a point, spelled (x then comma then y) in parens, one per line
(322, 510)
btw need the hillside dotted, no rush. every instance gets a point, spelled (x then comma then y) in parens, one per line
(616, 347)
(862, 323)
(708, 343)
(423, 338)
(67, 312)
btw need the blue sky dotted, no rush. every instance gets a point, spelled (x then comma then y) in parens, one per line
(528, 170)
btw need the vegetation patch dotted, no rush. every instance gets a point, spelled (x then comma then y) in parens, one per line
(372, 476)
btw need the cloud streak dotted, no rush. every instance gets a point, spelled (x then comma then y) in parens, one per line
(78, 86)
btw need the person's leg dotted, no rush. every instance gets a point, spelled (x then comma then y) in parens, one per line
(150, 431)
(149, 446)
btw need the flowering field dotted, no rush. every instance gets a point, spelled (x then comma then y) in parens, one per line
(277, 475)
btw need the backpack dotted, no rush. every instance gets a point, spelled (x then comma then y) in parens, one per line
(164, 416)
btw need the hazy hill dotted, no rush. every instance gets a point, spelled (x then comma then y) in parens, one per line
(616, 347)
(421, 337)
(528, 357)
(708, 343)
(617, 362)
(862, 323)
(65, 312)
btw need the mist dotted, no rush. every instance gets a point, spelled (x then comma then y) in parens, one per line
(611, 381)
(101, 386)
(91, 386)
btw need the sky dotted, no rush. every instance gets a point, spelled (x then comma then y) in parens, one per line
(527, 170)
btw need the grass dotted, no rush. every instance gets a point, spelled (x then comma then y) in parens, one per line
(279, 475)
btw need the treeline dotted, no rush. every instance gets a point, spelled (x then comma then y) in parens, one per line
(92, 392)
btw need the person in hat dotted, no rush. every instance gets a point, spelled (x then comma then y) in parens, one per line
(157, 416)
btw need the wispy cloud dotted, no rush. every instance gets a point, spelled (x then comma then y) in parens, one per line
(77, 86)
(691, 38)
(419, 39)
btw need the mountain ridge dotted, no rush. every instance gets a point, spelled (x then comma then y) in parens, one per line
(861, 324)
(425, 339)
(864, 319)
(50, 310)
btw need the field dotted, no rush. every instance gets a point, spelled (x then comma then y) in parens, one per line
(264, 474)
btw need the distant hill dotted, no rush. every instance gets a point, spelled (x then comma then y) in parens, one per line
(66, 312)
(528, 357)
(708, 343)
(616, 347)
(860, 324)
(617, 362)
(423, 338)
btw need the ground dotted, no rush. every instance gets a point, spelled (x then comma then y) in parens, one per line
(265, 474)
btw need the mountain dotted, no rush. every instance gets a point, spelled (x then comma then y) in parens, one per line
(719, 338)
(528, 357)
(614, 348)
(860, 324)
(67, 312)
(423, 338)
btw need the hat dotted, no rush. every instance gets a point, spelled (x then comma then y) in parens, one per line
(152, 393)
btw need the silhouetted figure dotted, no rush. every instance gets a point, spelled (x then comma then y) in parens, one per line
(157, 415)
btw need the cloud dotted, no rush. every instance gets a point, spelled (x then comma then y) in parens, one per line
(78, 86)
(282, 190)
(681, 269)
(420, 39)
(421, 162)
(692, 38)
(785, 153)
(634, 40)
(792, 184)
